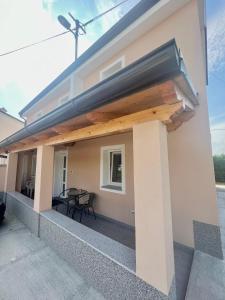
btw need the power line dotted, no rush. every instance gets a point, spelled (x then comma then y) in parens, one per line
(62, 33)
(33, 44)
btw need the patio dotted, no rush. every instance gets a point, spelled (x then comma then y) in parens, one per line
(125, 235)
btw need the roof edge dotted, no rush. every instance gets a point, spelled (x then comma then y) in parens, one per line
(137, 11)
(158, 66)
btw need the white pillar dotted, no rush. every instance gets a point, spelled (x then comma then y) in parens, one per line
(11, 171)
(44, 178)
(153, 221)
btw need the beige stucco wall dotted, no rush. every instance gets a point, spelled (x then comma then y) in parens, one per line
(2, 177)
(8, 125)
(23, 174)
(190, 157)
(84, 172)
(49, 103)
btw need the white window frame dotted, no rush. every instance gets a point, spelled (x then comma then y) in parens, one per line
(61, 98)
(121, 59)
(37, 117)
(103, 185)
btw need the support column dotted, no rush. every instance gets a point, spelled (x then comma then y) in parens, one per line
(153, 221)
(11, 171)
(44, 178)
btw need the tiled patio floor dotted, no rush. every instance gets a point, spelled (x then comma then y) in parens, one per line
(126, 236)
(31, 270)
(116, 231)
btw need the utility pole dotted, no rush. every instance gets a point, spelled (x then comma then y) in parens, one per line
(76, 31)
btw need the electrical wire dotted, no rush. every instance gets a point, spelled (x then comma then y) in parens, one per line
(34, 44)
(62, 33)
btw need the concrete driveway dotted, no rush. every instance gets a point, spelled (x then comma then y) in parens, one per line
(31, 270)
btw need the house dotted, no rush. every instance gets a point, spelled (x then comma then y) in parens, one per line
(8, 125)
(128, 121)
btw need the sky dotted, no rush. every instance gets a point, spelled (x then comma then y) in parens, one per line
(24, 74)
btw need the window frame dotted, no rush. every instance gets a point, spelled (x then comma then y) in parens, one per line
(60, 103)
(121, 59)
(39, 115)
(109, 185)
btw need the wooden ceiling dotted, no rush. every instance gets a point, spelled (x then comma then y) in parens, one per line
(164, 102)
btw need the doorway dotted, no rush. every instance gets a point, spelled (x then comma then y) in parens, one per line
(60, 172)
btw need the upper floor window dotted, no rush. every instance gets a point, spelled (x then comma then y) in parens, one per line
(63, 100)
(112, 69)
(113, 168)
(39, 115)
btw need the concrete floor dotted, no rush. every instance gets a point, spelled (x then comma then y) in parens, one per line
(207, 279)
(221, 207)
(31, 270)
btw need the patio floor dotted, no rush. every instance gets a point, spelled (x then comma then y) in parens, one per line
(114, 230)
(126, 235)
(31, 270)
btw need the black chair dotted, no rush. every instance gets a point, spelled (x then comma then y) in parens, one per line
(61, 199)
(85, 202)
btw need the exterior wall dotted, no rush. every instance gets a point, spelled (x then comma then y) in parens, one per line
(84, 172)
(192, 188)
(23, 173)
(2, 177)
(51, 102)
(8, 125)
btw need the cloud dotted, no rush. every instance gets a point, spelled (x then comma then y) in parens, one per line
(31, 70)
(216, 42)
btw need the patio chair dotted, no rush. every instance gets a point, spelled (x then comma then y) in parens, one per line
(85, 203)
(61, 199)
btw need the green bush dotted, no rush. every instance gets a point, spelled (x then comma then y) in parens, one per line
(219, 167)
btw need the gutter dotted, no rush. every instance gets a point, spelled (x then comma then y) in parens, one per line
(160, 65)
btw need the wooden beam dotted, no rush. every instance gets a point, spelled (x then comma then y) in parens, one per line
(101, 117)
(60, 129)
(179, 120)
(164, 113)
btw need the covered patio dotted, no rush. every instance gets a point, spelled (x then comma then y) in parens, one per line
(112, 141)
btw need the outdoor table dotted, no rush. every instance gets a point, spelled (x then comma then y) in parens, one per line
(75, 197)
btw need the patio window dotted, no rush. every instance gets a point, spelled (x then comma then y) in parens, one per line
(113, 169)
(112, 69)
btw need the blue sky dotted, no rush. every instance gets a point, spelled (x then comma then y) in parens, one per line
(24, 74)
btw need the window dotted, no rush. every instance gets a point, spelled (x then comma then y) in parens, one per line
(113, 168)
(38, 115)
(3, 160)
(63, 100)
(112, 69)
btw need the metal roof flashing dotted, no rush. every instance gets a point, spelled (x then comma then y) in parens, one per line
(158, 66)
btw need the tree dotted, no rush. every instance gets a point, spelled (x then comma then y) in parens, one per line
(219, 167)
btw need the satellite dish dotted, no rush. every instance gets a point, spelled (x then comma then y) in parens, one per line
(63, 21)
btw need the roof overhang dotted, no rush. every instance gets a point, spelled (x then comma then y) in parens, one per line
(152, 84)
(140, 19)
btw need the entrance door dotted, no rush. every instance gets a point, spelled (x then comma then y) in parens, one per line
(60, 172)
